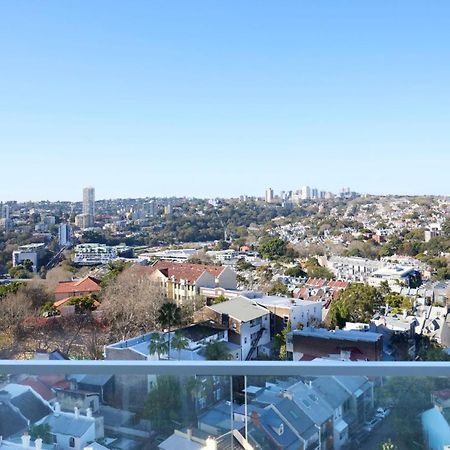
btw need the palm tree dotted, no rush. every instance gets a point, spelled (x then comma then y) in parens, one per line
(168, 315)
(217, 351)
(179, 342)
(158, 345)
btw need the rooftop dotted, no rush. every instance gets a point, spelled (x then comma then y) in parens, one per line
(323, 333)
(240, 308)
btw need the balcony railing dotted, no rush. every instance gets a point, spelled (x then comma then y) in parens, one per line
(128, 405)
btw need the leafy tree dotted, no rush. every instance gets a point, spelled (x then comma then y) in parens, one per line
(357, 303)
(315, 270)
(19, 272)
(398, 301)
(42, 431)
(169, 315)
(158, 345)
(220, 299)
(279, 288)
(179, 343)
(273, 248)
(217, 351)
(280, 342)
(296, 271)
(83, 304)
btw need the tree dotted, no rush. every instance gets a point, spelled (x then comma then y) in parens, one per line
(296, 272)
(357, 303)
(158, 345)
(169, 314)
(315, 270)
(217, 351)
(280, 342)
(42, 431)
(220, 299)
(179, 343)
(130, 305)
(279, 288)
(273, 248)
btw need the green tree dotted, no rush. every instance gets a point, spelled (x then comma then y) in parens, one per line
(273, 248)
(220, 299)
(357, 303)
(179, 343)
(42, 431)
(279, 288)
(158, 345)
(217, 351)
(280, 342)
(315, 270)
(296, 271)
(169, 315)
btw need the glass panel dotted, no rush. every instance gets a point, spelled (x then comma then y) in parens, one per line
(127, 412)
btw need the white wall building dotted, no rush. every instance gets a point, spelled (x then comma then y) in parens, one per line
(32, 252)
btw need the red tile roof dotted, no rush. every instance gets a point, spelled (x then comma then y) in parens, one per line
(87, 285)
(39, 387)
(184, 271)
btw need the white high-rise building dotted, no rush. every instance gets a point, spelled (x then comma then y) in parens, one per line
(305, 193)
(89, 206)
(269, 195)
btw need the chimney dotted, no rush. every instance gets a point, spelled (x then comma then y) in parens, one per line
(211, 444)
(89, 412)
(38, 444)
(26, 440)
(57, 409)
(76, 412)
(189, 434)
(1, 440)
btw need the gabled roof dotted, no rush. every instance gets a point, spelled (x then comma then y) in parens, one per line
(31, 407)
(184, 271)
(84, 285)
(66, 424)
(11, 421)
(39, 387)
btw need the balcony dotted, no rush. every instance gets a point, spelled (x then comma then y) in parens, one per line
(128, 405)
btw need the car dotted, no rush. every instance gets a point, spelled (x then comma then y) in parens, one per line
(371, 424)
(382, 412)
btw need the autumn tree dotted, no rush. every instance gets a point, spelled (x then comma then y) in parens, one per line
(130, 304)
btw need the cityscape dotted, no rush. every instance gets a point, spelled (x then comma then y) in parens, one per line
(224, 226)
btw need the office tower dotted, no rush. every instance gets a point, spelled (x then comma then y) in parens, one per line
(89, 206)
(269, 195)
(305, 193)
(5, 212)
(64, 234)
(315, 193)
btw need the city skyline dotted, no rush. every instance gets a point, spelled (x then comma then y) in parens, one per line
(169, 101)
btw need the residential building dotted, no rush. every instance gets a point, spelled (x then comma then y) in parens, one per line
(395, 275)
(311, 343)
(97, 254)
(31, 252)
(64, 235)
(284, 310)
(176, 255)
(305, 193)
(183, 281)
(248, 324)
(77, 288)
(352, 268)
(89, 206)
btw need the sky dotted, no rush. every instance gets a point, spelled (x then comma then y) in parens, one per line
(220, 98)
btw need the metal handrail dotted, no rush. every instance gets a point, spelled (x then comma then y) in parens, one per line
(227, 368)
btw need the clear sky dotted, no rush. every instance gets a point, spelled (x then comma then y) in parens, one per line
(220, 98)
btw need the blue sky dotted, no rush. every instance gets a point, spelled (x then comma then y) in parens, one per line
(220, 98)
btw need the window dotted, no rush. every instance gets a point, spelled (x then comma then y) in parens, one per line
(72, 442)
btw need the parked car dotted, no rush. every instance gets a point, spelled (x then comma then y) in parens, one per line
(371, 424)
(382, 412)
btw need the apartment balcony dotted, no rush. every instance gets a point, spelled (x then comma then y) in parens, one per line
(128, 405)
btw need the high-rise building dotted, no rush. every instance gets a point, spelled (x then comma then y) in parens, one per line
(315, 193)
(64, 234)
(5, 212)
(269, 195)
(305, 193)
(89, 206)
